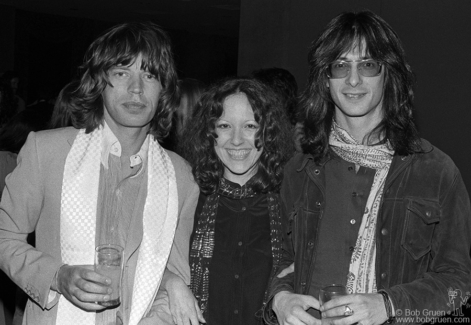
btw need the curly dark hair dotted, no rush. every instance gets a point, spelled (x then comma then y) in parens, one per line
(122, 44)
(273, 137)
(342, 34)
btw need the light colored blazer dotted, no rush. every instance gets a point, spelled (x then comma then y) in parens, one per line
(31, 202)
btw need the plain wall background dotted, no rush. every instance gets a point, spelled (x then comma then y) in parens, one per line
(436, 35)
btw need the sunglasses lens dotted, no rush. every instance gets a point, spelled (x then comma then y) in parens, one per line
(339, 69)
(367, 68)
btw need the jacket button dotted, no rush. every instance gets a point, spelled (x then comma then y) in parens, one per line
(303, 284)
(428, 213)
(310, 244)
(318, 204)
(384, 275)
(351, 248)
(384, 231)
(317, 172)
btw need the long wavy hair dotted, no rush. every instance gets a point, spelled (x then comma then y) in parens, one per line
(199, 139)
(122, 44)
(370, 33)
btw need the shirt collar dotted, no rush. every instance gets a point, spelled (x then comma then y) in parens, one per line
(111, 146)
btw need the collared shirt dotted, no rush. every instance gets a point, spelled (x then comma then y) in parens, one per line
(117, 196)
(111, 146)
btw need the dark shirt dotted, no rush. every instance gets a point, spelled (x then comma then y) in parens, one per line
(346, 195)
(241, 263)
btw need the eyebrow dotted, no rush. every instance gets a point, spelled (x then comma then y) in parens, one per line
(120, 67)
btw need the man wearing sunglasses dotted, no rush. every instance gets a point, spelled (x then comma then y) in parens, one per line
(368, 204)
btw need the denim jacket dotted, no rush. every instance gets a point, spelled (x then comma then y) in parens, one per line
(423, 232)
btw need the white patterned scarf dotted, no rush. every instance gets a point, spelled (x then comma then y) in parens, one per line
(361, 275)
(78, 221)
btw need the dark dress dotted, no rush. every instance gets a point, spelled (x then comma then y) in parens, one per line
(242, 260)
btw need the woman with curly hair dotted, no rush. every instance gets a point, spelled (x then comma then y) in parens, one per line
(237, 143)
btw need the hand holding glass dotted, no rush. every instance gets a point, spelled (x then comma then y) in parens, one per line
(109, 262)
(330, 292)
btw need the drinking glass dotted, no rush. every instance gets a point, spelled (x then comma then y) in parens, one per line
(330, 292)
(109, 262)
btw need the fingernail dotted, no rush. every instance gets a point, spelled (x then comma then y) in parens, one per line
(108, 281)
(110, 290)
(106, 298)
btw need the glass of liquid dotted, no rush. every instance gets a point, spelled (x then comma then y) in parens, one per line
(109, 262)
(330, 292)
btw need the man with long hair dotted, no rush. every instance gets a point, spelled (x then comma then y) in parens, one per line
(368, 204)
(106, 180)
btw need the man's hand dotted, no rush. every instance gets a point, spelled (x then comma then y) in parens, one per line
(368, 309)
(290, 308)
(83, 287)
(183, 305)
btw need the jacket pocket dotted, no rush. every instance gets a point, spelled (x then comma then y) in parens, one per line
(421, 218)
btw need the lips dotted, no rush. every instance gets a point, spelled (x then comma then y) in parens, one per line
(240, 154)
(355, 96)
(134, 105)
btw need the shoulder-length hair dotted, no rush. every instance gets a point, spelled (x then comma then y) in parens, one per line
(273, 136)
(122, 44)
(372, 34)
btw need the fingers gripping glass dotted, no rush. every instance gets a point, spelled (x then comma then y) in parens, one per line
(341, 68)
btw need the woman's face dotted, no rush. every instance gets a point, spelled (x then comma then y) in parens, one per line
(235, 146)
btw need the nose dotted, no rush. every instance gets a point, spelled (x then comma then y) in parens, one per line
(136, 85)
(353, 78)
(237, 137)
